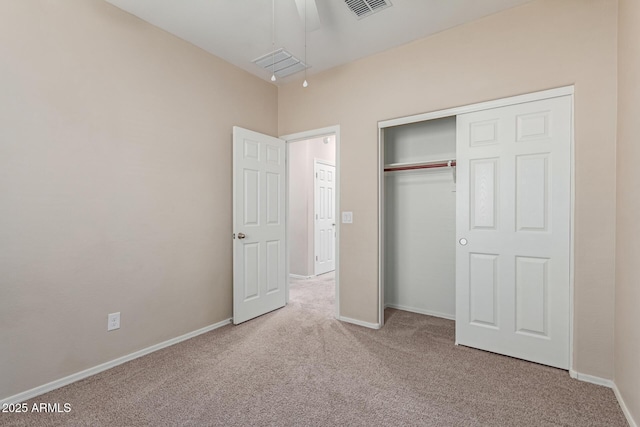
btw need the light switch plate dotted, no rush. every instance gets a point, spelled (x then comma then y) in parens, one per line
(347, 217)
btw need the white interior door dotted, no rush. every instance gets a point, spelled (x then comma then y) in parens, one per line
(259, 250)
(325, 219)
(513, 230)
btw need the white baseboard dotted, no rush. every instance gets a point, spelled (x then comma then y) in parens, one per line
(421, 311)
(37, 391)
(297, 276)
(591, 379)
(623, 406)
(607, 383)
(359, 322)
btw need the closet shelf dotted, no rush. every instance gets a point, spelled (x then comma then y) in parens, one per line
(422, 165)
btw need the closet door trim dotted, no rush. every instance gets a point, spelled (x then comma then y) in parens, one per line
(519, 99)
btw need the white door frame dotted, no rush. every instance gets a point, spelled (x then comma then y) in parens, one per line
(519, 99)
(301, 136)
(315, 224)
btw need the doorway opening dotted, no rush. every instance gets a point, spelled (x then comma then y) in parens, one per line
(313, 185)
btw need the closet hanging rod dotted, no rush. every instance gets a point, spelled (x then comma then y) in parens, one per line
(412, 166)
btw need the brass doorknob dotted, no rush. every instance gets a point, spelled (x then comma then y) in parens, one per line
(241, 235)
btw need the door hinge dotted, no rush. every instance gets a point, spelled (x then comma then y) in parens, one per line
(316, 174)
(316, 257)
(234, 235)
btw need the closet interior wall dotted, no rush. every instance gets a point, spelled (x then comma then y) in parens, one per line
(420, 219)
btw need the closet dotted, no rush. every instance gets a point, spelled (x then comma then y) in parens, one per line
(477, 222)
(420, 217)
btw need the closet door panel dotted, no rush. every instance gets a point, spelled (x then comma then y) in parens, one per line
(513, 208)
(483, 193)
(483, 290)
(532, 279)
(532, 192)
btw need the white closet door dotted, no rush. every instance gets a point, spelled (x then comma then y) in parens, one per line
(513, 230)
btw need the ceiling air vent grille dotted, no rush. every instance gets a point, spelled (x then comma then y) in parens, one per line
(281, 63)
(364, 8)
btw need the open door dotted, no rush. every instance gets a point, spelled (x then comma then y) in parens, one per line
(325, 219)
(513, 230)
(259, 229)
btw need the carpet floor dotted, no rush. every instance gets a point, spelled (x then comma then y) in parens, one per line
(298, 366)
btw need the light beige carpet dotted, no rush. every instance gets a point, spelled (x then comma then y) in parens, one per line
(300, 366)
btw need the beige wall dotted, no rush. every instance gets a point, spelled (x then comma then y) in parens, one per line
(115, 176)
(298, 210)
(627, 338)
(302, 155)
(541, 45)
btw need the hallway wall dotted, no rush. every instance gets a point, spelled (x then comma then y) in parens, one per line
(301, 200)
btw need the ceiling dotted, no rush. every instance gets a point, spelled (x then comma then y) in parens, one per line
(239, 31)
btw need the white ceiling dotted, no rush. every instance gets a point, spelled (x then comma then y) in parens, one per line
(239, 31)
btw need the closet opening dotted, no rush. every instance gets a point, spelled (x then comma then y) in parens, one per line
(420, 217)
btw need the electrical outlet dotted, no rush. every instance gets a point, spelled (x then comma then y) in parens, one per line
(113, 321)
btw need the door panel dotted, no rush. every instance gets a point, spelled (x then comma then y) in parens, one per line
(251, 202)
(273, 266)
(258, 224)
(532, 192)
(513, 210)
(273, 197)
(531, 295)
(484, 192)
(251, 268)
(483, 289)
